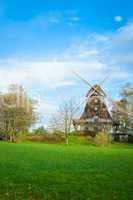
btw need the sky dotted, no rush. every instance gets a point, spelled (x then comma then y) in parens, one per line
(42, 42)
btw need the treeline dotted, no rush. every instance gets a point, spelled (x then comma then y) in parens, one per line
(18, 115)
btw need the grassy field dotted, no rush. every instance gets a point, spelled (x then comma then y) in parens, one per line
(78, 172)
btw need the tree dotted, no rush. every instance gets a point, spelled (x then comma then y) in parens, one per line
(16, 112)
(63, 119)
(39, 131)
(123, 113)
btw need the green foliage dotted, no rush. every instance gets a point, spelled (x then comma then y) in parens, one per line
(46, 138)
(75, 139)
(15, 115)
(90, 139)
(130, 138)
(39, 131)
(102, 139)
(56, 172)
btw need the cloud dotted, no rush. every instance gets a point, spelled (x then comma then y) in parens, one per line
(46, 106)
(93, 57)
(118, 18)
(46, 74)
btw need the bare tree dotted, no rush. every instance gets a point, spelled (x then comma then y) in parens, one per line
(63, 119)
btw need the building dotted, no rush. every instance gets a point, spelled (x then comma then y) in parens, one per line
(96, 117)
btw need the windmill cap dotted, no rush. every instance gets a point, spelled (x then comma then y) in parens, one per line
(96, 88)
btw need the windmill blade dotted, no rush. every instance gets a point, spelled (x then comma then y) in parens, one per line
(87, 82)
(104, 80)
(84, 80)
(109, 98)
(78, 105)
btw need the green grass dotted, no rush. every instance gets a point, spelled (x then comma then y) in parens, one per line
(78, 172)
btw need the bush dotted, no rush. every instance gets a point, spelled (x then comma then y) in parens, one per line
(39, 131)
(130, 138)
(77, 139)
(102, 139)
(90, 139)
(86, 133)
(48, 138)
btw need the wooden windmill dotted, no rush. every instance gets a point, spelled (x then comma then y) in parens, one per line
(95, 117)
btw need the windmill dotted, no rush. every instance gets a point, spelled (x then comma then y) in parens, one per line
(95, 117)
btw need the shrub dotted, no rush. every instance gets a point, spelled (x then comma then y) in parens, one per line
(48, 138)
(86, 133)
(39, 131)
(130, 138)
(102, 139)
(90, 139)
(77, 139)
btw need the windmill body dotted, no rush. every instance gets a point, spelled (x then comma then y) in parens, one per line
(96, 116)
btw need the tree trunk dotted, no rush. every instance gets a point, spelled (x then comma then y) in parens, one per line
(67, 140)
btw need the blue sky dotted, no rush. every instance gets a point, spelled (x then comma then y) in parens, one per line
(42, 42)
(38, 27)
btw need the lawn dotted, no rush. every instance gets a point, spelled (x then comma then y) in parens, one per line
(55, 172)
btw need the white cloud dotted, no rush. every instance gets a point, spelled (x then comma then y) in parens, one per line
(47, 107)
(118, 18)
(87, 53)
(46, 74)
(93, 57)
